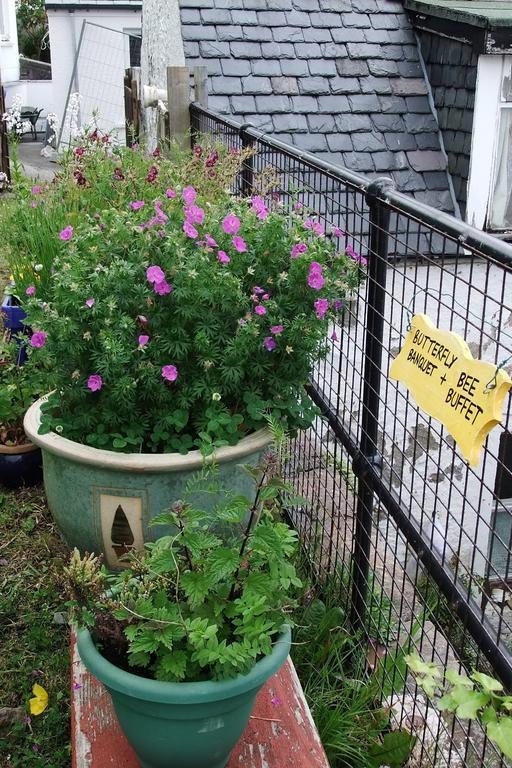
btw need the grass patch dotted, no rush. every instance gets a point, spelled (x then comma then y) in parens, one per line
(33, 647)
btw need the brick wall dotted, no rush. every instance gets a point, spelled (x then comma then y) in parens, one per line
(451, 67)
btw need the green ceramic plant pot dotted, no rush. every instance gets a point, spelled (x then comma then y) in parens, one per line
(182, 725)
(103, 501)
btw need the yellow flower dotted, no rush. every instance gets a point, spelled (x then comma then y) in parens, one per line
(288, 350)
(40, 701)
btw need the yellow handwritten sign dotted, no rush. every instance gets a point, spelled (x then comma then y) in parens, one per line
(449, 384)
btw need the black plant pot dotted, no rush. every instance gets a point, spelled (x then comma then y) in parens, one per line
(20, 466)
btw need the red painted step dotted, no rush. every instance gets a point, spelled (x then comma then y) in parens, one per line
(280, 733)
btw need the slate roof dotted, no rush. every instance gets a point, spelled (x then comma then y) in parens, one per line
(339, 78)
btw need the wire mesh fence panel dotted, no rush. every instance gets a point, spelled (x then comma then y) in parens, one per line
(418, 541)
(103, 55)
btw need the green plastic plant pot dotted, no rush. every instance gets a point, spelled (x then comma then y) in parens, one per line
(102, 500)
(182, 725)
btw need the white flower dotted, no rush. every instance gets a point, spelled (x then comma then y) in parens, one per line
(216, 396)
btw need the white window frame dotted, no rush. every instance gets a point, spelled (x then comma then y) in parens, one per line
(5, 20)
(484, 140)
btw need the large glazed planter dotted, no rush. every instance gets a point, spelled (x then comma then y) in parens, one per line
(182, 725)
(103, 501)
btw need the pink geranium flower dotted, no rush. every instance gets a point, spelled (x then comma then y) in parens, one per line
(136, 205)
(194, 214)
(170, 193)
(231, 224)
(298, 249)
(143, 340)
(95, 382)
(155, 274)
(30, 290)
(277, 329)
(38, 339)
(89, 303)
(269, 343)
(210, 241)
(260, 309)
(315, 278)
(223, 257)
(189, 230)
(259, 207)
(334, 336)
(170, 372)
(66, 233)
(36, 189)
(321, 307)
(239, 244)
(189, 195)
(162, 288)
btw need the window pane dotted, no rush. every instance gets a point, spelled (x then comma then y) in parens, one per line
(501, 207)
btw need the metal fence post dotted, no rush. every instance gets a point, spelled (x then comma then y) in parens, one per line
(368, 453)
(247, 172)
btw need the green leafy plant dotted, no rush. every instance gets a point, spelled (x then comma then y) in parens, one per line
(197, 604)
(20, 386)
(343, 688)
(177, 315)
(474, 697)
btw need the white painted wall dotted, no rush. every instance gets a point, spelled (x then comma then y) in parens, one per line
(104, 55)
(9, 55)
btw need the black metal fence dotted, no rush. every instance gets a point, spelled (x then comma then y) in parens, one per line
(420, 542)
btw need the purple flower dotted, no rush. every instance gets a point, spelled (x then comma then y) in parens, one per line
(170, 193)
(76, 686)
(194, 214)
(155, 274)
(276, 701)
(315, 226)
(231, 224)
(298, 249)
(189, 230)
(259, 207)
(33, 204)
(38, 339)
(321, 307)
(277, 329)
(143, 340)
(337, 305)
(334, 336)
(35, 747)
(242, 322)
(269, 343)
(210, 241)
(337, 231)
(66, 233)
(260, 309)
(170, 372)
(223, 257)
(198, 151)
(30, 291)
(257, 290)
(298, 206)
(162, 288)
(136, 205)
(90, 303)
(95, 382)
(189, 195)
(239, 244)
(36, 189)
(315, 279)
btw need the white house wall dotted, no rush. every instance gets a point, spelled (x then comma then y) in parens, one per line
(104, 55)
(9, 56)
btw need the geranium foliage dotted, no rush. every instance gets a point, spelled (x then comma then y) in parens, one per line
(178, 314)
